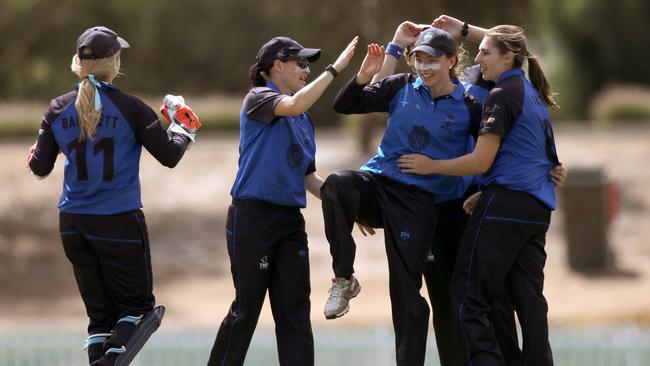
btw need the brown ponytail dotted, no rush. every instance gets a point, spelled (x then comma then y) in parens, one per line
(512, 38)
(538, 79)
(257, 79)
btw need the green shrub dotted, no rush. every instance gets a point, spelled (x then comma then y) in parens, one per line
(621, 102)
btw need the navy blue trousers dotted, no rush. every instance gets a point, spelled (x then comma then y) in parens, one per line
(452, 221)
(112, 265)
(503, 247)
(267, 245)
(407, 215)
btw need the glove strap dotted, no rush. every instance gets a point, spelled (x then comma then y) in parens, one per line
(179, 129)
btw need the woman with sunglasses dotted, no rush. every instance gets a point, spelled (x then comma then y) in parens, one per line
(265, 230)
(503, 244)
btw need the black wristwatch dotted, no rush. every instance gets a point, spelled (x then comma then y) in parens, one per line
(465, 30)
(332, 70)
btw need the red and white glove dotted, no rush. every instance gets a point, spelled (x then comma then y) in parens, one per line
(181, 118)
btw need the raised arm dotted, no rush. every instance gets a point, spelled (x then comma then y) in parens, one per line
(307, 96)
(358, 97)
(455, 27)
(405, 35)
(166, 146)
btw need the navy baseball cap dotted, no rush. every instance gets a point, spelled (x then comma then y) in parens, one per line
(436, 42)
(284, 48)
(102, 42)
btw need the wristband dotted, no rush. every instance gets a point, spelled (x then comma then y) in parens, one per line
(332, 70)
(394, 50)
(465, 30)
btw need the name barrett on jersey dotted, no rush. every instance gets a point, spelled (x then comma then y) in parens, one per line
(105, 120)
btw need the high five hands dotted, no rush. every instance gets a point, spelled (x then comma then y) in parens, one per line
(371, 64)
(407, 33)
(344, 58)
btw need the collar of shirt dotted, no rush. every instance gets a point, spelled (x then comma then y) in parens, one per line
(457, 94)
(509, 73)
(272, 85)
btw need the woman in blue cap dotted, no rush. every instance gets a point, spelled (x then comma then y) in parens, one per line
(101, 132)
(265, 230)
(503, 245)
(452, 220)
(428, 112)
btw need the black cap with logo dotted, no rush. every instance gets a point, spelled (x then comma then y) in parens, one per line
(436, 42)
(102, 42)
(284, 48)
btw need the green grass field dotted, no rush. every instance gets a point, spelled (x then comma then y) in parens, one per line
(589, 346)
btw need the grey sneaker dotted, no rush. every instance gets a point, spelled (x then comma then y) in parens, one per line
(341, 292)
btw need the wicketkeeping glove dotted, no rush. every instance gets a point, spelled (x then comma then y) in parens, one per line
(181, 118)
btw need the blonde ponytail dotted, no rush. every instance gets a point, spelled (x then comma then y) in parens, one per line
(103, 69)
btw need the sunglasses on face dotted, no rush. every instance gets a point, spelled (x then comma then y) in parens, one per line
(301, 62)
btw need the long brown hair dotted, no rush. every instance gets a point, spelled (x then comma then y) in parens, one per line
(256, 76)
(104, 69)
(512, 38)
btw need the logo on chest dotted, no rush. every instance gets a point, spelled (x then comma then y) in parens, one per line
(419, 138)
(295, 156)
(448, 123)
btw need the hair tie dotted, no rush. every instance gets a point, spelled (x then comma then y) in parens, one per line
(97, 84)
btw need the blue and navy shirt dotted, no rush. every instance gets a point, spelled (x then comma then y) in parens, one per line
(478, 88)
(275, 153)
(515, 112)
(101, 175)
(417, 123)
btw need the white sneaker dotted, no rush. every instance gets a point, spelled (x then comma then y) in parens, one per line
(341, 292)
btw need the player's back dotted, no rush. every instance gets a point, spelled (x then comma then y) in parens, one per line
(101, 174)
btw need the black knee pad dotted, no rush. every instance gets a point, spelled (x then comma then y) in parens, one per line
(139, 336)
(95, 346)
(122, 332)
(129, 335)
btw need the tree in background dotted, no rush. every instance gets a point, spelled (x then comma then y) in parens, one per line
(601, 42)
(206, 47)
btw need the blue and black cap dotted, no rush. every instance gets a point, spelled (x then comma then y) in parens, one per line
(436, 42)
(284, 48)
(102, 42)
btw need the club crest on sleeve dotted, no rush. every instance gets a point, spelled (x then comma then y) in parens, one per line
(492, 109)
